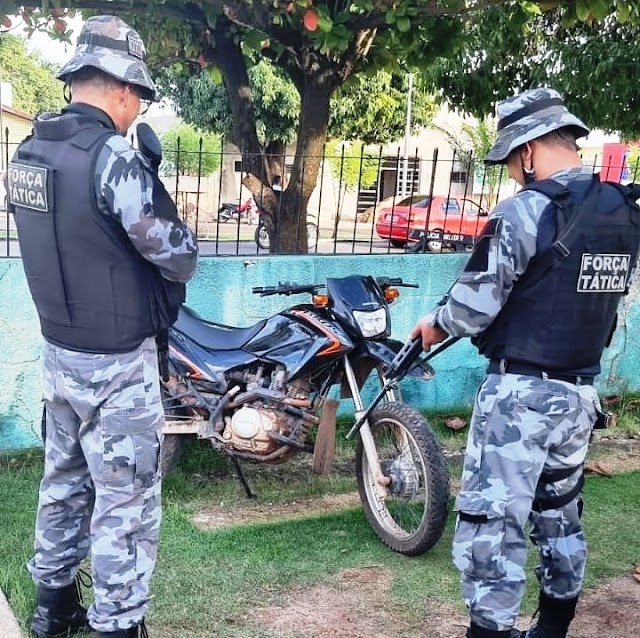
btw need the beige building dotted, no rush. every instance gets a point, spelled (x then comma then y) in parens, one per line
(14, 127)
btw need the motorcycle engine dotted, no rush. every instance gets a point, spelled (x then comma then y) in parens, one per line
(248, 429)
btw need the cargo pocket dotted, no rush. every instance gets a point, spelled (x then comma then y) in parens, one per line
(479, 542)
(551, 404)
(131, 448)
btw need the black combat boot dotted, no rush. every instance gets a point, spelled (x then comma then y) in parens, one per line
(555, 617)
(475, 631)
(139, 631)
(58, 612)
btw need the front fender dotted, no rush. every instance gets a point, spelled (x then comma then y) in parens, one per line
(385, 351)
(379, 354)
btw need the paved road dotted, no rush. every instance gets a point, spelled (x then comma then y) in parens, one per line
(248, 248)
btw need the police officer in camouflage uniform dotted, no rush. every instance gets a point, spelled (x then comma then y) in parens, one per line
(538, 297)
(106, 259)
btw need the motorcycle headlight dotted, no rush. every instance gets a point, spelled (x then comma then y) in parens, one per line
(371, 324)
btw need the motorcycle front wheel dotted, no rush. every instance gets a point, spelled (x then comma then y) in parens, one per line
(410, 514)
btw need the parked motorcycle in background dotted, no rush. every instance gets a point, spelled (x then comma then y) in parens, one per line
(263, 393)
(247, 211)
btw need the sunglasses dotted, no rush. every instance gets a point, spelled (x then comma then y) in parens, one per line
(145, 103)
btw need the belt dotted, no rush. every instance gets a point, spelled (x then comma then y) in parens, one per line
(502, 366)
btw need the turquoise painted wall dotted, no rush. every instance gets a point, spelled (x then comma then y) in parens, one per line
(221, 291)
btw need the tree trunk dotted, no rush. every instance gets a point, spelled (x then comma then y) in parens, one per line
(228, 56)
(290, 219)
(276, 160)
(284, 214)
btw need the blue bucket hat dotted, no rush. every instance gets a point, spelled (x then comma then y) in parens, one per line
(527, 116)
(109, 44)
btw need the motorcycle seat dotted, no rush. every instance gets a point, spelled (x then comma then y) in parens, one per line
(213, 336)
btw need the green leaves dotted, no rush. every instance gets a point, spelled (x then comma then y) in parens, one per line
(190, 142)
(373, 109)
(203, 101)
(353, 163)
(214, 73)
(623, 13)
(35, 88)
(582, 10)
(404, 24)
(591, 63)
(589, 10)
(400, 16)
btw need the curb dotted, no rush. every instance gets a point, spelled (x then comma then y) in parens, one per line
(9, 627)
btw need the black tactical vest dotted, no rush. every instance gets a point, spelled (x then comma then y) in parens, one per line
(93, 291)
(561, 313)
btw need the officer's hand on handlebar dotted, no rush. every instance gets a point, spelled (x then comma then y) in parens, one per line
(429, 333)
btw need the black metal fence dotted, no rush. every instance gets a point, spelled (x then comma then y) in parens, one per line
(365, 202)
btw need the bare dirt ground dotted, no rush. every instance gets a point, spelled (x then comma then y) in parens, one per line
(249, 512)
(358, 605)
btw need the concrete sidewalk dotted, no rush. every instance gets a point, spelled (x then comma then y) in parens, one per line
(8, 624)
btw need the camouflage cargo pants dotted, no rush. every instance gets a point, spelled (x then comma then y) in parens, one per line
(100, 491)
(520, 427)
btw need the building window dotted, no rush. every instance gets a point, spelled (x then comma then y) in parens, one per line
(458, 177)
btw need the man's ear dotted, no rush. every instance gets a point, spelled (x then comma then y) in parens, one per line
(526, 154)
(124, 94)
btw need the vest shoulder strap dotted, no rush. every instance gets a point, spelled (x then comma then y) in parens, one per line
(549, 187)
(631, 193)
(86, 138)
(566, 233)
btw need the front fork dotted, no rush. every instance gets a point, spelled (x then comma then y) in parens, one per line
(380, 481)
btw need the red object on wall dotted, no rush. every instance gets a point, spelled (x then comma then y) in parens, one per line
(613, 162)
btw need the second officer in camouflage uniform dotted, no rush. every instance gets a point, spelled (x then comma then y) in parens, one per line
(538, 297)
(106, 259)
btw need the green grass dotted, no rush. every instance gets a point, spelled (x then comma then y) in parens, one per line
(208, 582)
(627, 411)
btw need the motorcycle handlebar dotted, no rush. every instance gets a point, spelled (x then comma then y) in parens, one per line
(285, 288)
(290, 288)
(386, 282)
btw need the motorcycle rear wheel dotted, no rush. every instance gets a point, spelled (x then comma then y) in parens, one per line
(411, 518)
(172, 444)
(171, 451)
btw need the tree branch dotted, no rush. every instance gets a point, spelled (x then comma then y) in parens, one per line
(175, 9)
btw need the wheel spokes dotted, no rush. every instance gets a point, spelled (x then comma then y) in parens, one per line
(404, 508)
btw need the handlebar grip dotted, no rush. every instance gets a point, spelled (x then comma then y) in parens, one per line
(264, 290)
(401, 363)
(284, 288)
(385, 282)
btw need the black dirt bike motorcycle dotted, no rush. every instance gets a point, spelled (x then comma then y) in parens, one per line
(261, 394)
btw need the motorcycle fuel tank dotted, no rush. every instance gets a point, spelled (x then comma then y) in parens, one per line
(298, 337)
